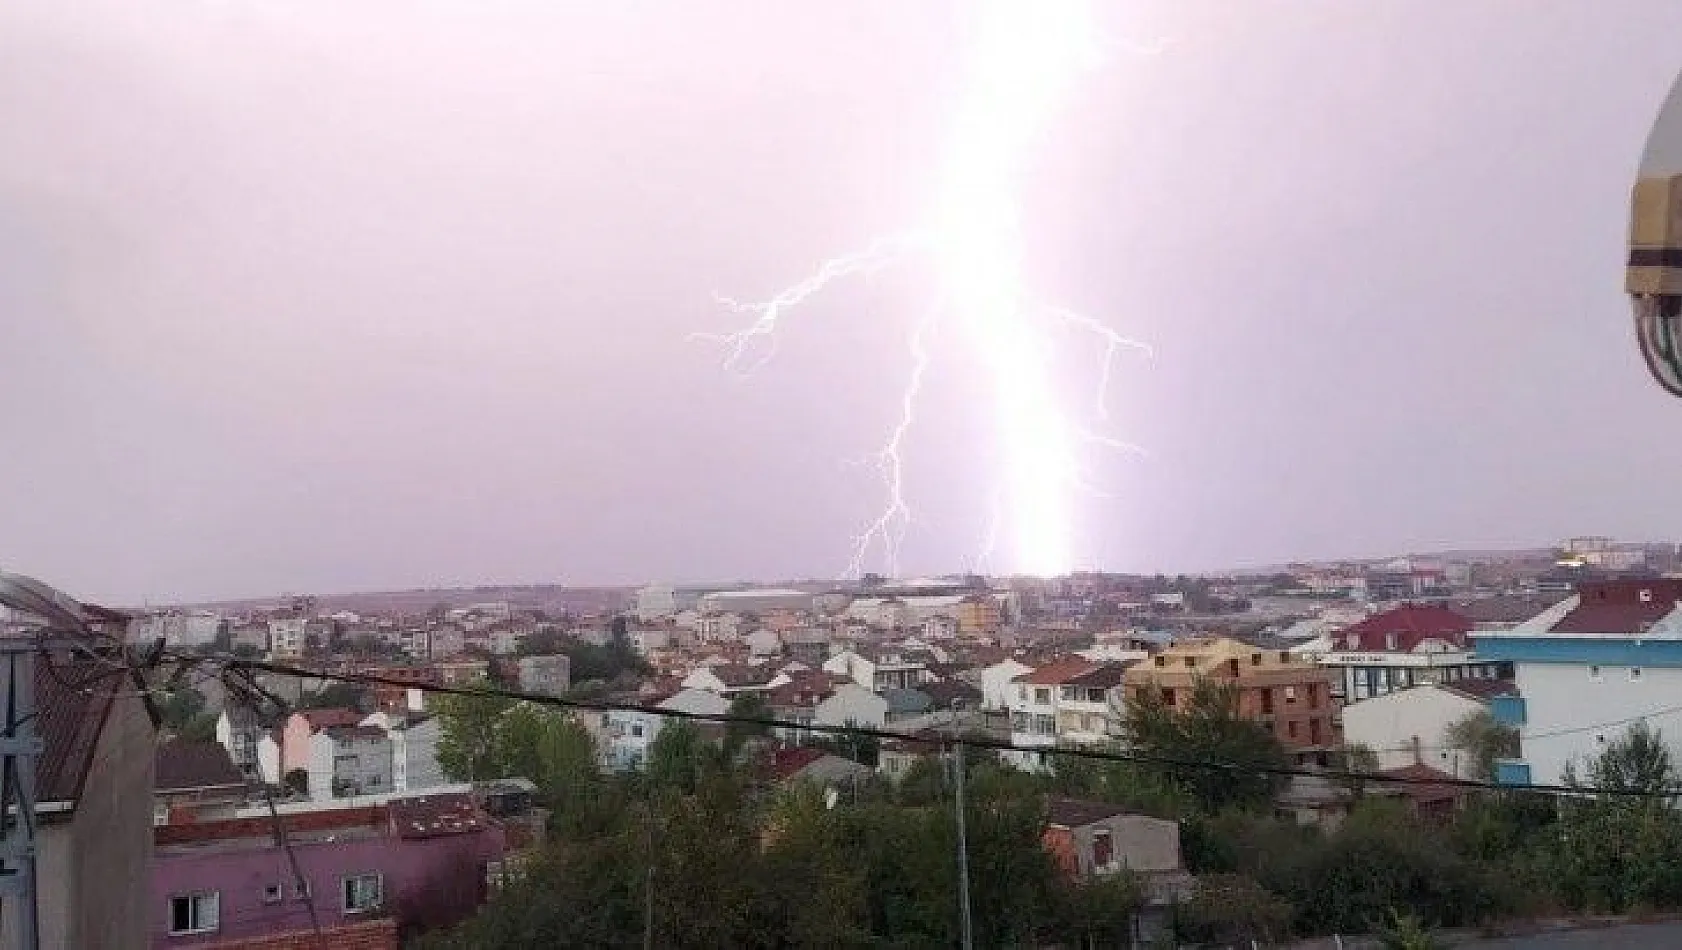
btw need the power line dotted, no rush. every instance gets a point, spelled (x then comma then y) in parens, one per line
(970, 740)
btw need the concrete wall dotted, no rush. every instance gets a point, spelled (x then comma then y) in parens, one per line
(93, 862)
(852, 704)
(1391, 724)
(1566, 696)
(438, 876)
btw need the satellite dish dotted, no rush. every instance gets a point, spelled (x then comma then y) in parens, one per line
(1654, 275)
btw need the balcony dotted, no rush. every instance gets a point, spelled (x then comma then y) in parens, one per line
(1507, 710)
(1512, 772)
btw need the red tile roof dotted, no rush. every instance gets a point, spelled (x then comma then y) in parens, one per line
(1622, 606)
(786, 762)
(1412, 624)
(323, 718)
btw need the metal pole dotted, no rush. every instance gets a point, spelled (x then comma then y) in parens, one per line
(20, 728)
(648, 888)
(963, 850)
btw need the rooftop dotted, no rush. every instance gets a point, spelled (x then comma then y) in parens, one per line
(1407, 627)
(1076, 812)
(183, 765)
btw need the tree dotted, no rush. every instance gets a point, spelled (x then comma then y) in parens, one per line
(468, 750)
(179, 707)
(1484, 741)
(678, 757)
(1099, 913)
(1637, 762)
(1357, 761)
(200, 728)
(1244, 757)
(736, 734)
(1232, 909)
(519, 740)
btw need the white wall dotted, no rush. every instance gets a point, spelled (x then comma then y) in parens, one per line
(997, 691)
(1564, 697)
(1389, 724)
(852, 704)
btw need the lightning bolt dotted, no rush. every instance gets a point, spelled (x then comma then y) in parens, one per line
(1025, 59)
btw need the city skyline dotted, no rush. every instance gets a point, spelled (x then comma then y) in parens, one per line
(382, 298)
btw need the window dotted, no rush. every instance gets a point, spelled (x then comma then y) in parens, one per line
(1314, 732)
(1069, 694)
(1161, 660)
(274, 893)
(1191, 661)
(1042, 696)
(1291, 728)
(1022, 694)
(301, 890)
(636, 730)
(1390, 641)
(1045, 725)
(194, 913)
(1167, 697)
(1019, 722)
(1094, 695)
(1290, 694)
(362, 892)
(1103, 849)
(1267, 701)
(1255, 659)
(1634, 673)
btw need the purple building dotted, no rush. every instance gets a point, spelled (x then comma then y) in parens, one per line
(422, 860)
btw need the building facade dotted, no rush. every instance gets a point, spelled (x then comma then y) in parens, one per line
(1290, 696)
(1588, 667)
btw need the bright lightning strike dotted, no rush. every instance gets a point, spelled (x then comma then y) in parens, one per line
(1026, 57)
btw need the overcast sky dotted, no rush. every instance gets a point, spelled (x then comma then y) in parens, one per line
(327, 297)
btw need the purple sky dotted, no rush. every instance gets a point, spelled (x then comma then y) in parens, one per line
(388, 294)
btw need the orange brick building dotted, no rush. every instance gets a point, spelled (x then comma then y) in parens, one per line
(1289, 695)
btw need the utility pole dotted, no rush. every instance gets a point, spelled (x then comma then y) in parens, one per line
(968, 928)
(648, 887)
(19, 748)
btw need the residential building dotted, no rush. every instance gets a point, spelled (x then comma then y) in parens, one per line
(792, 764)
(763, 642)
(419, 861)
(287, 638)
(1586, 668)
(238, 730)
(808, 645)
(998, 682)
(980, 615)
(1402, 647)
(296, 731)
(1410, 726)
(195, 781)
(445, 641)
(733, 679)
(850, 704)
(1090, 840)
(414, 749)
(879, 668)
(548, 675)
(461, 670)
(1072, 700)
(1291, 696)
(346, 761)
(93, 837)
(664, 600)
(624, 736)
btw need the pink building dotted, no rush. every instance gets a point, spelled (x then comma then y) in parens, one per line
(423, 861)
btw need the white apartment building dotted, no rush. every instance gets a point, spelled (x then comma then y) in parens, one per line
(287, 637)
(1586, 668)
